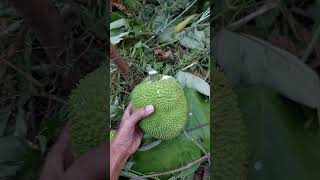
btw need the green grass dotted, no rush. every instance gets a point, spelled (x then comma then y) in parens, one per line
(139, 51)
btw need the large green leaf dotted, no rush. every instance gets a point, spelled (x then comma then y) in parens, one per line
(12, 152)
(198, 124)
(254, 61)
(192, 81)
(167, 156)
(280, 146)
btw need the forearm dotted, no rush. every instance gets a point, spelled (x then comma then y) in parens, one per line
(118, 159)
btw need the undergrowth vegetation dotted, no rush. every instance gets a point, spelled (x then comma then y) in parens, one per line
(171, 38)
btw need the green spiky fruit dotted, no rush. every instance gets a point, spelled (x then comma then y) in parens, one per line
(230, 138)
(88, 112)
(167, 97)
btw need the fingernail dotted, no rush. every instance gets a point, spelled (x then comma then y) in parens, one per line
(149, 109)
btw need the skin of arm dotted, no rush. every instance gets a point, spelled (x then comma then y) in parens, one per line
(128, 139)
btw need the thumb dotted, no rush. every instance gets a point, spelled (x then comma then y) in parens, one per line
(141, 113)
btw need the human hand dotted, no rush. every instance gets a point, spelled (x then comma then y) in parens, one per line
(128, 138)
(59, 164)
(129, 135)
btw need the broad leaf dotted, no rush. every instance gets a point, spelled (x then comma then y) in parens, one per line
(253, 61)
(12, 152)
(280, 146)
(191, 81)
(192, 38)
(118, 24)
(169, 155)
(198, 124)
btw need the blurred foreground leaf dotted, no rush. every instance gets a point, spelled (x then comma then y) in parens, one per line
(253, 61)
(280, 146)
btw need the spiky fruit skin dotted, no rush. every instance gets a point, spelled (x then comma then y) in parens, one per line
(229, 135)
(167, 97)
(88, 112)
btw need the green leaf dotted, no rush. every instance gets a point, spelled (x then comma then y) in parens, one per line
(12, 27)
(116, 15)
(161, 19)
(168, 35)
(4, 117)
(150, 146)
(253, 61)
(198, 123)
(118, 24)
(169, 155)
(191, 81)
(192, 39)
(116, 39)
(118, 30)
(129, 175)
(12, 152)
(280, 145)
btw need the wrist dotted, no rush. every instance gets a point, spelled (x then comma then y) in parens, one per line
(118, 158)
(118, 152)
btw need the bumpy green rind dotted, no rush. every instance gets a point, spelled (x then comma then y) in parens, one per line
(167, 97)
(88, 112)
(229, 138)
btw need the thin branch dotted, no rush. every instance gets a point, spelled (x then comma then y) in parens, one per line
(198, 127)
(189, 165)
(24, 74)
(265, 8)
(87, 48)
(312, 44)
(120, 63)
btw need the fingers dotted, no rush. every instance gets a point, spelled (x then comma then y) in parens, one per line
(139, 133)
(127, 112)
(141, 113)
(91, 165)
(56, 158)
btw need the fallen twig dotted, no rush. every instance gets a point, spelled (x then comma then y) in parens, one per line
(120, 7)
(120, 63)
(24, 74)
(265, 8)
(312, 44)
